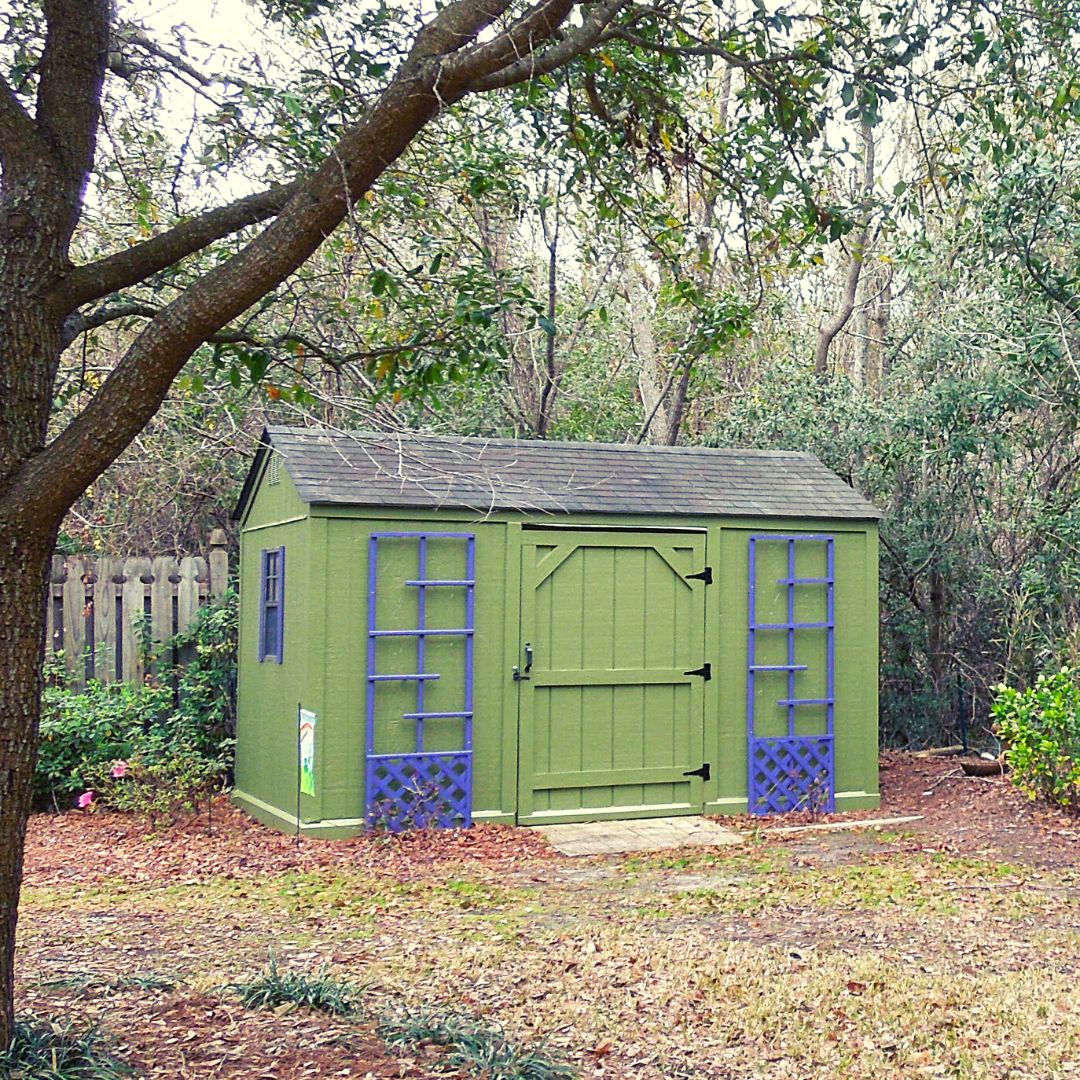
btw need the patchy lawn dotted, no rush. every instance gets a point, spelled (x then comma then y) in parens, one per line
(946, 947)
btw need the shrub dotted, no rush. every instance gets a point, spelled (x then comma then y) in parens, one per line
(98, 725)
(321, 991)
(161, 779)
(1041, 729)
(175, 731)
(54, 1050)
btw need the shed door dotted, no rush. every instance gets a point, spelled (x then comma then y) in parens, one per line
(611, 715)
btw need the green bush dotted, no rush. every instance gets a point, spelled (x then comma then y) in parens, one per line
(160, 779)
(96, 726)
(174, 734)
(1040, 727)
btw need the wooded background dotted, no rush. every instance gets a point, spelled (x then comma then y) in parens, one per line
(655, 251)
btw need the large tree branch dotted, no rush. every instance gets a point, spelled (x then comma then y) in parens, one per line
(456, 26)
(521, 39)
(69, 91)
(124, 269)
(571, 45)
(45, 485)
(18, 135)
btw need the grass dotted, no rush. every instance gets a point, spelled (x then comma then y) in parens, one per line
(82, 981)
(55, 1050)
(775, 960)
(321, 992)
(481, 1047)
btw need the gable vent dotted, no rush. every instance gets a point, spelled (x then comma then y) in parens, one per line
(273, 470)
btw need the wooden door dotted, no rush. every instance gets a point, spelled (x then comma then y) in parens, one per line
(611, 714)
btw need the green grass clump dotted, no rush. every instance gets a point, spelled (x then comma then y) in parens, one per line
(481, 1047)
(79, 982)
(321, 991)
(52, 1050)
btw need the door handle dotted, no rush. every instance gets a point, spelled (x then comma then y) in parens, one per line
(520, 675)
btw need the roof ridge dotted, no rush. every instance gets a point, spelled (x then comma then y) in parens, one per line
(472, 440)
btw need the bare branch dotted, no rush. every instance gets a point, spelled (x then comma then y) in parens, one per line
(134, 36)
(571, 45)
(521, 39)
(858, 256)
(79, 323)
(124, 269)
(704, 48)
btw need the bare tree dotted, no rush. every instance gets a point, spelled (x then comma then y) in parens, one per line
(856, 256)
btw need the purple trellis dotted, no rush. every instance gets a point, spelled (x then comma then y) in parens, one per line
(421, 788)
(793, 772)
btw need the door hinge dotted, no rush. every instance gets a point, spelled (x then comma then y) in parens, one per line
(705, 671)
(705, 575)
(703, 772)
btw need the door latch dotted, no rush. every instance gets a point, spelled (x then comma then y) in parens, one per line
(703, 772)
(520, 675)
(705, 671)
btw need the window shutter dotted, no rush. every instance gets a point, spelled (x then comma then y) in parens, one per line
(263, 559)
(281, 605)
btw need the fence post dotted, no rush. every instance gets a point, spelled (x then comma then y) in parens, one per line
(219, 564)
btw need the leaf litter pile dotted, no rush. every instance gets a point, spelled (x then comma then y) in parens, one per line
(949, 946)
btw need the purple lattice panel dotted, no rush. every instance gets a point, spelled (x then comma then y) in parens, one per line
(792, 773)
(419, 791)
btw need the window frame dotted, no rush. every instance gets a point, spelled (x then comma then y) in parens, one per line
(269, 557)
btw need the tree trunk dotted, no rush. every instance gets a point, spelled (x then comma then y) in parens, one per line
(29, 353)
(24, 564)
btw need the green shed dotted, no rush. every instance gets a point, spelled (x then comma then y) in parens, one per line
(444, 630)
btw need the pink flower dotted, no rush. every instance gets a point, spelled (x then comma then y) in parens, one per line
(119, 769)
(85, 799)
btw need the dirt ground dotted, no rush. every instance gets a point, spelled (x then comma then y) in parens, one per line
(945, 946)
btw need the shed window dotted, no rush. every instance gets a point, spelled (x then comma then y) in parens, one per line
(272, 606)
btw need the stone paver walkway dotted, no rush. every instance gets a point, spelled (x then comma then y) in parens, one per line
(645, 834)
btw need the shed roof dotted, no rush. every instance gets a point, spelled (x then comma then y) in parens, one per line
(437, 471)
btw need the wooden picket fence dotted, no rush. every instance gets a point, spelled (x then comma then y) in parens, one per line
(93, 603)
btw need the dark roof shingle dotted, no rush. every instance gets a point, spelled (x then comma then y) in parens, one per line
(407, 470)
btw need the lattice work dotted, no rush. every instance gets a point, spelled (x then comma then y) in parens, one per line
(421, 788)
(419, 791)
(791, 774)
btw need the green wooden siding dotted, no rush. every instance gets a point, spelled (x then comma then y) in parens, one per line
(607, 724)
(266, 760)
